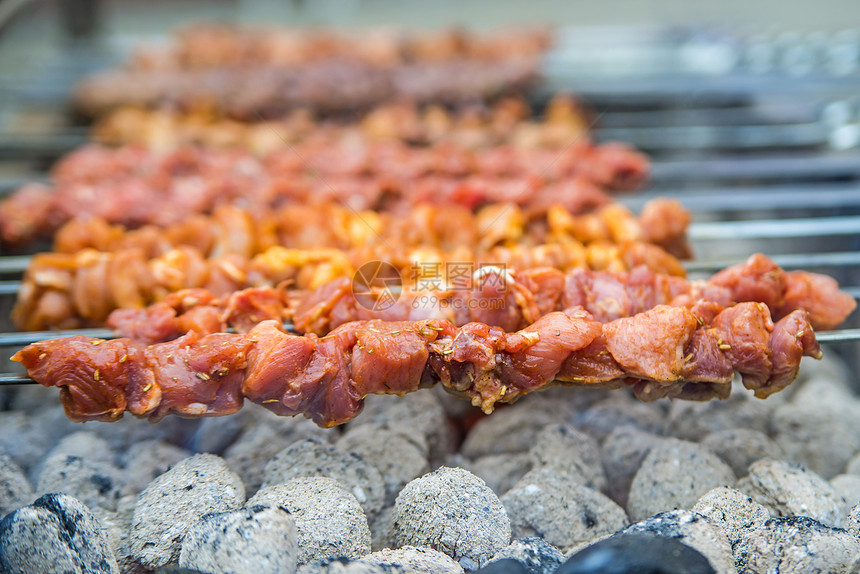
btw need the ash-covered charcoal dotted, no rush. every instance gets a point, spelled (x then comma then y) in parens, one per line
(622, 453)
(313, 457)
(452, 511)
(401, 457)
(93, 482)
(660, 484)
(741, 447)
(737, 514)
(57, 533)
(616, 412)
(330, 523)
(258, 539)
(15, 489)
(563, 447)
(535, 554)
(790, 490)
(637, 552)
(822, 435)
(500, 471)
(580, 514)
(412, 560)
(149, 459)
(177, 499)
(693, 530)
(848, 487)
(802, 544)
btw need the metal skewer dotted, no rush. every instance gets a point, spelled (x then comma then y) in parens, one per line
(14, 379)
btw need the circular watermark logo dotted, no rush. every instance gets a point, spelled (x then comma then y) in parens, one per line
(377, 285)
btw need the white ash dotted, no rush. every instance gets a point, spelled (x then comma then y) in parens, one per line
(561, 446)
(93, 482)
(453, 511)
(397, 453)
(619, 411)
(258, 539)
(330, 522)
(500, 471)
(660, 484)
(737, 514)
(508, 430)
(623, 451)
(693, 530)
(177, 499)
(536, 554)
(791, 490)
(580, 513)
(801, 544)
(57, 533)
(15, 488)
(146, 460)
(312, 457)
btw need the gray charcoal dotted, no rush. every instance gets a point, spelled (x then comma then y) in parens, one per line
(674, 475)
(510, 430)
(822, 437)
(312, 457)
(412, 560)
(801, 544)
(623, 452)
(690, 420)
(535, 554)
(95, 483)
(397, 452)
(504, 566)
(552, 504)
(149, 459)
(15, 489)
(117, 529)
(453, 511)
(501, 471)
(57, 533)
(83, 444)
(177, 499)
(129, 430)
(343, 566)
(787, 490)
(421, 411)
(619, 411)
(693, 530)
(259, 539)
(738, 515)
(631, 553)
(329, 520)
(853, 466)
(848, 487)
(24, 440)
(852, 521)
(380, 529)
(263, 438)
(561, 446)
(739, 448)
(567, 400)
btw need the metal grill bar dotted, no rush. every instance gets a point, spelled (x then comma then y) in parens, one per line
(806, 166)
(775, 228)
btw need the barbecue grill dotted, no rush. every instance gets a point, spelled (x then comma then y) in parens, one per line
(759, 140)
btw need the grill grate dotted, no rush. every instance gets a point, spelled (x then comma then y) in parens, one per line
(762, 161)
